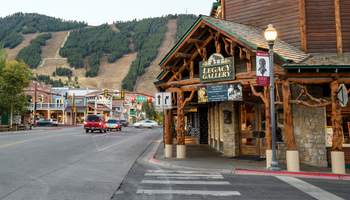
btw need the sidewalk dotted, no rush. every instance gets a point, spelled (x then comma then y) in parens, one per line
(201, 157)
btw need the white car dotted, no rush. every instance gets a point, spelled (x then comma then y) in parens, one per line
(146, 124)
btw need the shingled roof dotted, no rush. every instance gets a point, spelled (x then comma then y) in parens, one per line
(252, 37)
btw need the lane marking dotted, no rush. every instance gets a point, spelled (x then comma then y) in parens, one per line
(194, 175)
(309, 189)
(188, 178)
(182, 172)
(185, 182)
(190, 192)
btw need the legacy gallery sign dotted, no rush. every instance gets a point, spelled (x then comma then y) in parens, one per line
(217, 68)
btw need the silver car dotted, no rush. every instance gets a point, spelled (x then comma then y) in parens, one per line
(146, 124)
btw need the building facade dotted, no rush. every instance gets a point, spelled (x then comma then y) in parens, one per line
(213, 69)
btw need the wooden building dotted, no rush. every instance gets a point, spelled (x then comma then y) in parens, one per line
(312, 65)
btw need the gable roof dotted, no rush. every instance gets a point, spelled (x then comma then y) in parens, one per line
(251, 36)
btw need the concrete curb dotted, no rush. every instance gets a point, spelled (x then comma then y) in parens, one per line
(317, 175)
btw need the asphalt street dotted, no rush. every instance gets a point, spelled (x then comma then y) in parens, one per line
(149, 181)
(67, 163)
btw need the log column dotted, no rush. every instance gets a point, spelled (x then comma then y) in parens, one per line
(168, 138)
(292, 156)
(337, 154)
(180, 127)
(267, 127)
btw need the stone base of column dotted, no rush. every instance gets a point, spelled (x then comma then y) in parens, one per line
(268, 158)
(338, 162)
(293, 164)
(180, 151)
(168, 151)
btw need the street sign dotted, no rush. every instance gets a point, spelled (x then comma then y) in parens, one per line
(342, 95)
(262, 68)
(163, 100)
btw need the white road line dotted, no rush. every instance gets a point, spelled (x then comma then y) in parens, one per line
(185, 182)
(182, 172)
(188, 178)
(190, 192)
(309, 189)
(193, 175)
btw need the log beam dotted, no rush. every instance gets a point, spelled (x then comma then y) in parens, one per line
(337, 142)
(287, 117)
(168, 138)
(338, 27)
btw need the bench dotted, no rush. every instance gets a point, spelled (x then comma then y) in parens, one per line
(4, 128)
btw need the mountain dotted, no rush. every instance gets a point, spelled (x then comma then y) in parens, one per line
(122, 54)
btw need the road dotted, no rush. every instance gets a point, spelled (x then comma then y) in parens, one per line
(66, 163)
(150, 181)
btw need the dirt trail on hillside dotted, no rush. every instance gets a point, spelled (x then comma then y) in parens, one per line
(12, 53)
(144, 83)
(110, 74)
(50, 55)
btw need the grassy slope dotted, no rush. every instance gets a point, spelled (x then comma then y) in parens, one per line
(12, 53)
(144, 83)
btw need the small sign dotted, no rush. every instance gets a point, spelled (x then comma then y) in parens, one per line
(220, 92)
(163, 100)
(262, 68)
(329, 136)
(342, 95)
(217, 68)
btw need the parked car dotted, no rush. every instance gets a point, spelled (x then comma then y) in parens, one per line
(44, 122)
(95, 123)
(124, 122)
(146, 124)
(113, 124)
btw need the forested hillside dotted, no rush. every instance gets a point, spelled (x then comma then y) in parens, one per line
(86, 47)
(14, 26)
(32, 53)
(122, 50)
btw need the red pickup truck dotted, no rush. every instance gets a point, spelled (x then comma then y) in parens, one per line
(95, 123)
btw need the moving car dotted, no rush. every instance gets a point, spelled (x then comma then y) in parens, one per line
(95, 123)
(44, 122)
(146, 124)
(124, 122)
(113, 124)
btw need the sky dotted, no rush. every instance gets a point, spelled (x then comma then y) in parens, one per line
(96, 12)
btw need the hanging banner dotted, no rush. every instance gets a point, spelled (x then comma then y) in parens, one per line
(220, 92)
(217, 68)
(262, 68)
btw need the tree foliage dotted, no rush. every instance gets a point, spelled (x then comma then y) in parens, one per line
(91, 44)
(184, 22)
(47, 80)
(31, 54)
(13, 26)
(62, 71)
(14, 77)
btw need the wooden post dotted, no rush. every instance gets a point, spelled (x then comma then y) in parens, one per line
(302, 25)
(338, 28)
(337, 154)
(337, 142)
(292, 154)
(180, 124)
(191, 69)
(168, 137)
(267, 119)
(287, 116)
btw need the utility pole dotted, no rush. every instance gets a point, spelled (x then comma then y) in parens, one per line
(35, 99)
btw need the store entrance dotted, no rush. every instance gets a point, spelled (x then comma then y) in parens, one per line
(252, 134)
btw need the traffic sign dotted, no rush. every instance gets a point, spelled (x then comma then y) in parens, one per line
(342, 95)
(163, 100)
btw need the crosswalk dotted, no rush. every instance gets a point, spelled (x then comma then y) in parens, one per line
(173, 182)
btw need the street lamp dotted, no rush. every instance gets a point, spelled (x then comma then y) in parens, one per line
(270, 36)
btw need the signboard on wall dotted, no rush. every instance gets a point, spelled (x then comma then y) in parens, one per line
(220, 92)
(217, 68)
(262, 68)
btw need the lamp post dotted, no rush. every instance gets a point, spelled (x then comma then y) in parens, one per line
(270, 36)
